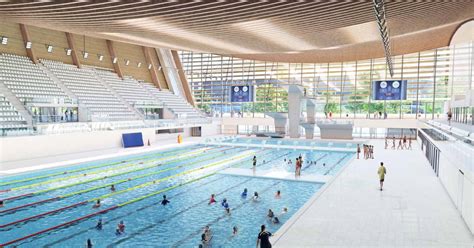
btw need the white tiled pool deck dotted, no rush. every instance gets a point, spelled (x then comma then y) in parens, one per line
(414, 209)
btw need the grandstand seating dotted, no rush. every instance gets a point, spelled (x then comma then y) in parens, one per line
(179, 106)
(91, 92)
(28, 82)
(9, 117)
(128, 88)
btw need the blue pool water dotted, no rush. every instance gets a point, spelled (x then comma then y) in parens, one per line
(187, 175)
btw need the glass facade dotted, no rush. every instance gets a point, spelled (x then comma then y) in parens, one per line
(342, 88)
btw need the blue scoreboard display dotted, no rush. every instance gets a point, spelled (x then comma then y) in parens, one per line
(243, 93)
(389, 90)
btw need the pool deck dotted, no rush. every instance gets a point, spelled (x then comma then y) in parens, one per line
(275, 174)
(414, 209)
(14, 167)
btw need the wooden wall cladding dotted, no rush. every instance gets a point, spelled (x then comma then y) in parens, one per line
(135, 55)
(94, 47)
(41, 37)
(15, 40)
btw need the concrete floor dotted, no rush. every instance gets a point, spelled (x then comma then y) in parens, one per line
(414, 209)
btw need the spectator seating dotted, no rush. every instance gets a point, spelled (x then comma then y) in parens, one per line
(91, 92)
(28, 82)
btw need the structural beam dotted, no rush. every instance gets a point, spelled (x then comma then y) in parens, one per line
(72, 46)
(110, 46)
(153, 70)
(26, 38)
(183, 79)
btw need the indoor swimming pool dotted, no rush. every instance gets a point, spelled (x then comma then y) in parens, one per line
(54, 207)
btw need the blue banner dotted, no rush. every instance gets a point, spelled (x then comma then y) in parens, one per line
(389, 90)
(132, 139)
(241, 93)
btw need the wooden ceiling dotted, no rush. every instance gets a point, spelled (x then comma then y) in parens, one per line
(292, 31)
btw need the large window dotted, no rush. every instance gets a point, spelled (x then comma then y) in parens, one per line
(343, 88)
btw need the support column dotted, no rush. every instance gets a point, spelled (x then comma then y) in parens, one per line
(153, 72)
(183, 79)
(294, 110)
(117, 69)
(26, 38)
(72, 46)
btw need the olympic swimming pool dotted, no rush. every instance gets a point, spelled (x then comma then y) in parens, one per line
(53, 208)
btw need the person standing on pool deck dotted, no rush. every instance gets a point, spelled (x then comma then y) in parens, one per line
(393, 143)
(264, 238)
(381, 171)
(358, 151)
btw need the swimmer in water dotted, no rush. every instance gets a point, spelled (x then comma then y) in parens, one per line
(99, 225)
(224, 201)
(89, 243)
(244, 194)
(255, 196)
(121, 226)
(278, 195)
(270, 214)
(276, 220)
(117, 231)
(165, 201)
(234, 230)
(97, 204)
(284, 211)
(208, 233)
(112, 188)
(324, 164)
(2, 204)
(212, 200)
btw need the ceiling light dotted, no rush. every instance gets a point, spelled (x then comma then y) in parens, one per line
(114, 61)
(149, 66)
(49, 48)
(127, 62)
(68, 51)
(139, 64)
(28, 45)
(86, 55)
(101, 57)
(4, 40)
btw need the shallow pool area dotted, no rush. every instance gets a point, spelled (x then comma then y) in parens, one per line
(55, 207)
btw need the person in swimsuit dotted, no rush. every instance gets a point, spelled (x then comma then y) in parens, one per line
(112, 188)
(255, 197)
(278, 195)
(99, 225)
(284, 211)
(244, 194)
(208, 233)
(1, 204)
(264, 238)
(89, 243)
(276, 220)
(405, 141)
(234, 231)
(212, 200)
(97, 204)
(270, 214)
(358, 151)
(165, 201)
(254, 161)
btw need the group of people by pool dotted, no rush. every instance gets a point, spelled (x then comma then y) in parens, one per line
(368, 151)
(263, 237)
(403, 143)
